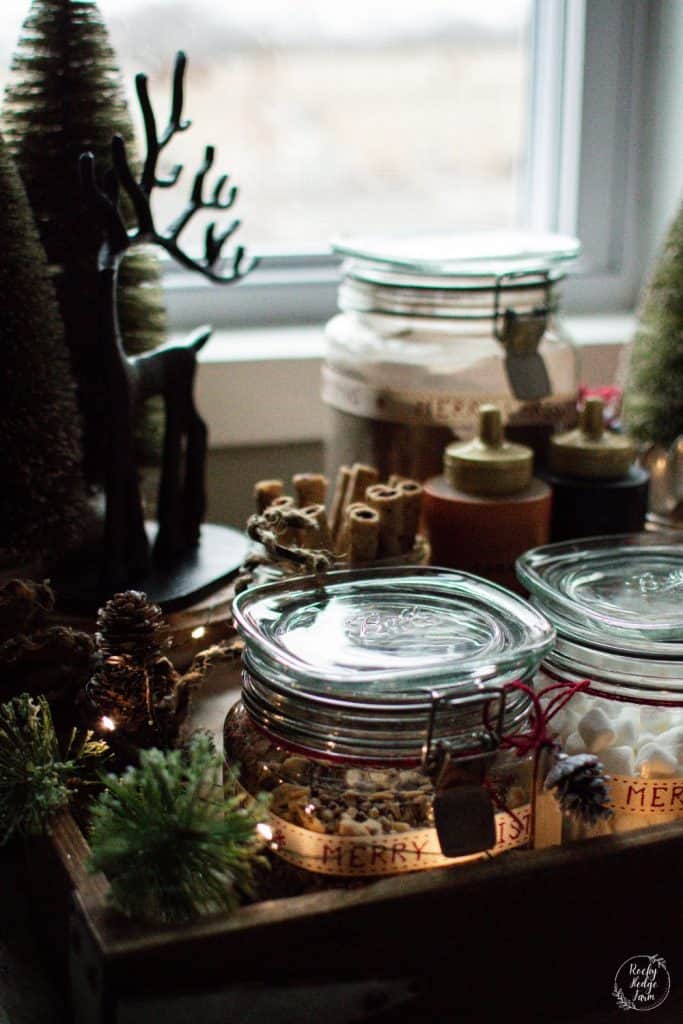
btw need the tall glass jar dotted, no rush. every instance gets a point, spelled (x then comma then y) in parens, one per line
(432, 327)
(372, 712)
(617, 605)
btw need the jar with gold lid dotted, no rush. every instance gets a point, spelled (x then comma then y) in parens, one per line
(597, 487)
(373, 707)
(487, 507)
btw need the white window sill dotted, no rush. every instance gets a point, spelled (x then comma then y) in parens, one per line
(261, 386)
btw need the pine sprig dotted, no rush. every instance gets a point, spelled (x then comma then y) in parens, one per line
(37, 779)
(172, 844)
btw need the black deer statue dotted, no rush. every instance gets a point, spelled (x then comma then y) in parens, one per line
(168, 371)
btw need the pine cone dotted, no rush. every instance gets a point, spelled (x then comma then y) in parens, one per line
(24, 606)
(55, 662)
(119, 690)
(580, 786)
(131, 626)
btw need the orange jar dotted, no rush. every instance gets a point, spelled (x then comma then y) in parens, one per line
(487, 508)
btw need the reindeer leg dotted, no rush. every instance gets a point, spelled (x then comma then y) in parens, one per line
(194, 504)
(137, 551)
(194, 493)
(169, 536)
(113, 562)
(125, 549)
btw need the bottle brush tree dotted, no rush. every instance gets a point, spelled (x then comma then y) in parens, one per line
(38, 776)
(172, 844)
(42, 494)
(653, 401)
(65, 97)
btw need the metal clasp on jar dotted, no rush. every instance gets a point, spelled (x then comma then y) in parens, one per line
(520, 334)
(464, 814)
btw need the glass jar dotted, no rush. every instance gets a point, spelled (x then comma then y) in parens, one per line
(617, 605)
(372, 712)
(431, 328)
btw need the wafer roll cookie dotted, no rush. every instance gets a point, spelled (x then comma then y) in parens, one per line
(310, 488)
(320, 538)
(287, 536)
(282, 501)
(339, 501)
(363, 534)
(265, 493)
(362, 477)
(388, 502)
(342, 541)
(411, 496)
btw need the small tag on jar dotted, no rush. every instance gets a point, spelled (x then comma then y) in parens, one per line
(528, 377)
(525, 367)
(464, 819)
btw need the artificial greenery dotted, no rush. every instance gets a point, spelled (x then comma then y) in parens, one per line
(653, 401)
(172, 844)
(65, 97)
(37, 778)
(42, 498)
(38, 657)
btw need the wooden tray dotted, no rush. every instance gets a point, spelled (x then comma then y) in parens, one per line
(536, 936)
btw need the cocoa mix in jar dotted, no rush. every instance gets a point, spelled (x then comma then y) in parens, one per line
(367, 714)
(432, 327)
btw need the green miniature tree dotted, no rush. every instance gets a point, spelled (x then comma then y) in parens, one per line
(38, 777)
(64, 98)
(171, 843)
(42, 494)
(653, 401)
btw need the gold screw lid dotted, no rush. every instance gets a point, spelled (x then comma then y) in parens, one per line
(590, 450)
(488, 465)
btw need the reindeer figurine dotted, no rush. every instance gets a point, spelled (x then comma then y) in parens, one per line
(168, 371)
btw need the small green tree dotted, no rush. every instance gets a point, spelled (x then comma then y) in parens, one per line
(653, 401)
(42, 494)
(65, 97)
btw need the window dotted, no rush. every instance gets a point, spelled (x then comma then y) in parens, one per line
(337, 117)
(367, 115)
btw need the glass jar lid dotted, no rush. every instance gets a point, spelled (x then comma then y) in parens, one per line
(454, 276)
(379, 634)
(353, 660)
(620, 594)
(468, 255)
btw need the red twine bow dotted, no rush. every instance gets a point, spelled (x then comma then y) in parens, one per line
(538, 735)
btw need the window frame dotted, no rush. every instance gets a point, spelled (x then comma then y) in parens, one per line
(584, 135)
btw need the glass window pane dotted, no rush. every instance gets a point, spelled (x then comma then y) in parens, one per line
(352, 116)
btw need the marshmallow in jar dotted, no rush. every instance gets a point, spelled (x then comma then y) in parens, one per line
(617, 606)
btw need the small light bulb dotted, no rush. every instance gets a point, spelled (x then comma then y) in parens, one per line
(309, 808)
(107, 723)
(265, 831)
(198, 633)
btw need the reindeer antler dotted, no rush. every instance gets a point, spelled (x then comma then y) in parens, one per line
(105, 200)
(175, 125)
(140, 190)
